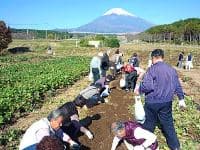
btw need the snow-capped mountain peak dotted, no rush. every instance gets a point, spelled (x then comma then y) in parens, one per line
(118, 11)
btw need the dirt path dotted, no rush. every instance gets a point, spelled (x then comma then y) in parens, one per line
(116, 109)
(191, 82)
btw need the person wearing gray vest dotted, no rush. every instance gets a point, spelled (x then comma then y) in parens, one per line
(49, 126)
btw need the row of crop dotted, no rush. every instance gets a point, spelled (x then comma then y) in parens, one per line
(23, 85)
(21, 58)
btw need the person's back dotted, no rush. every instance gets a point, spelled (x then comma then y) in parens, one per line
(68, 109)
(164, 78)
(30, 138)
(180, 57)
(105, 62)
(189, 58)
(95, 62)
(89, 92)
(134, 61)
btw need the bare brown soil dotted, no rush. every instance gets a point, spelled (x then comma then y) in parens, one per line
(116, 109)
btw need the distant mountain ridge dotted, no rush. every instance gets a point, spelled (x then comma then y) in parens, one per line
(115, 20)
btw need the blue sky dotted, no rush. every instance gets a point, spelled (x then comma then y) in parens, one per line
(51, 14)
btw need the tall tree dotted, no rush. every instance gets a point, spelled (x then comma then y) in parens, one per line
(5, 36)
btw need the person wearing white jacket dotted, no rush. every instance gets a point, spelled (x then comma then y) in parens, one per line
(49, 126)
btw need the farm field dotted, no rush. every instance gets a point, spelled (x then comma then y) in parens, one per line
(37, 66)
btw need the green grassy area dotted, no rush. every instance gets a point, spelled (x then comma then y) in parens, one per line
(187, 125)
(24, 84)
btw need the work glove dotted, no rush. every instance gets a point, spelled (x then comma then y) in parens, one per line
(136, 90)
(182, 103)
(74, 145)
(138, 147)
(115, 142)
(89, 135)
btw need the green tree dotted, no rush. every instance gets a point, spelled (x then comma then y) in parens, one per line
(112, 42)
(5, 36)
(84, 42)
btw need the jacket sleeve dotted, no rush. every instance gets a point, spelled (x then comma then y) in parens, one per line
(149, 137)
(178, 88)
(99, 66)
(146, 86)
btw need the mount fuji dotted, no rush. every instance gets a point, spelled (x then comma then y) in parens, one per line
(116, 20)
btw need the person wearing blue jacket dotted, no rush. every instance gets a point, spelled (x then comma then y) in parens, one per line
(159, 85)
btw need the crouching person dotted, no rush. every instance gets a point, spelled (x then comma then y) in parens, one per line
(71, 124)
(133, 136)
(133, 75)
(49, 126)
(91, 95)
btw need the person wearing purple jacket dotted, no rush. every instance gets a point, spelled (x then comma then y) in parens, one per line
(133, 136)
(159, 85)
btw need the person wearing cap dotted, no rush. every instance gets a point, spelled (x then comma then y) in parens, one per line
(90, 96)
(159, 85)
(49, 126)
(95, 67)
(133, 136)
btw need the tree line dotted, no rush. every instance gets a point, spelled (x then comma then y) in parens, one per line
(183, 31)
(39, 34)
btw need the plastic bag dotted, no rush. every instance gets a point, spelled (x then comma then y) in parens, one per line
(122, 83)
(119, 66)
(139, 110)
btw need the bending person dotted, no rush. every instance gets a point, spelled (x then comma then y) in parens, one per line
(49, 126)
(133, 136)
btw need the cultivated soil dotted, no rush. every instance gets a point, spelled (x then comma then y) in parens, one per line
(116, 109)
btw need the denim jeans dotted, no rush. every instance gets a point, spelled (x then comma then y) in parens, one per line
(161, 114)
(31, 147)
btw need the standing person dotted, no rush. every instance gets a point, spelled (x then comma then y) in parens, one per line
(133, 136)
(134, 60)
(105, 63)
(95, 67)
(188, 64)
(116, 60)
(49, 126)
(159, 85)
(180, 59)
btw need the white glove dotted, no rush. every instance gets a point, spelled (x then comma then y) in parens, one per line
(71, 142)
(136, 90)
(138, 147)
(182, 103)
(89, 135)
(115, 142)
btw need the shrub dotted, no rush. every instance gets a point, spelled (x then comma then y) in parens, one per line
(112, 42)
(5, 36)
